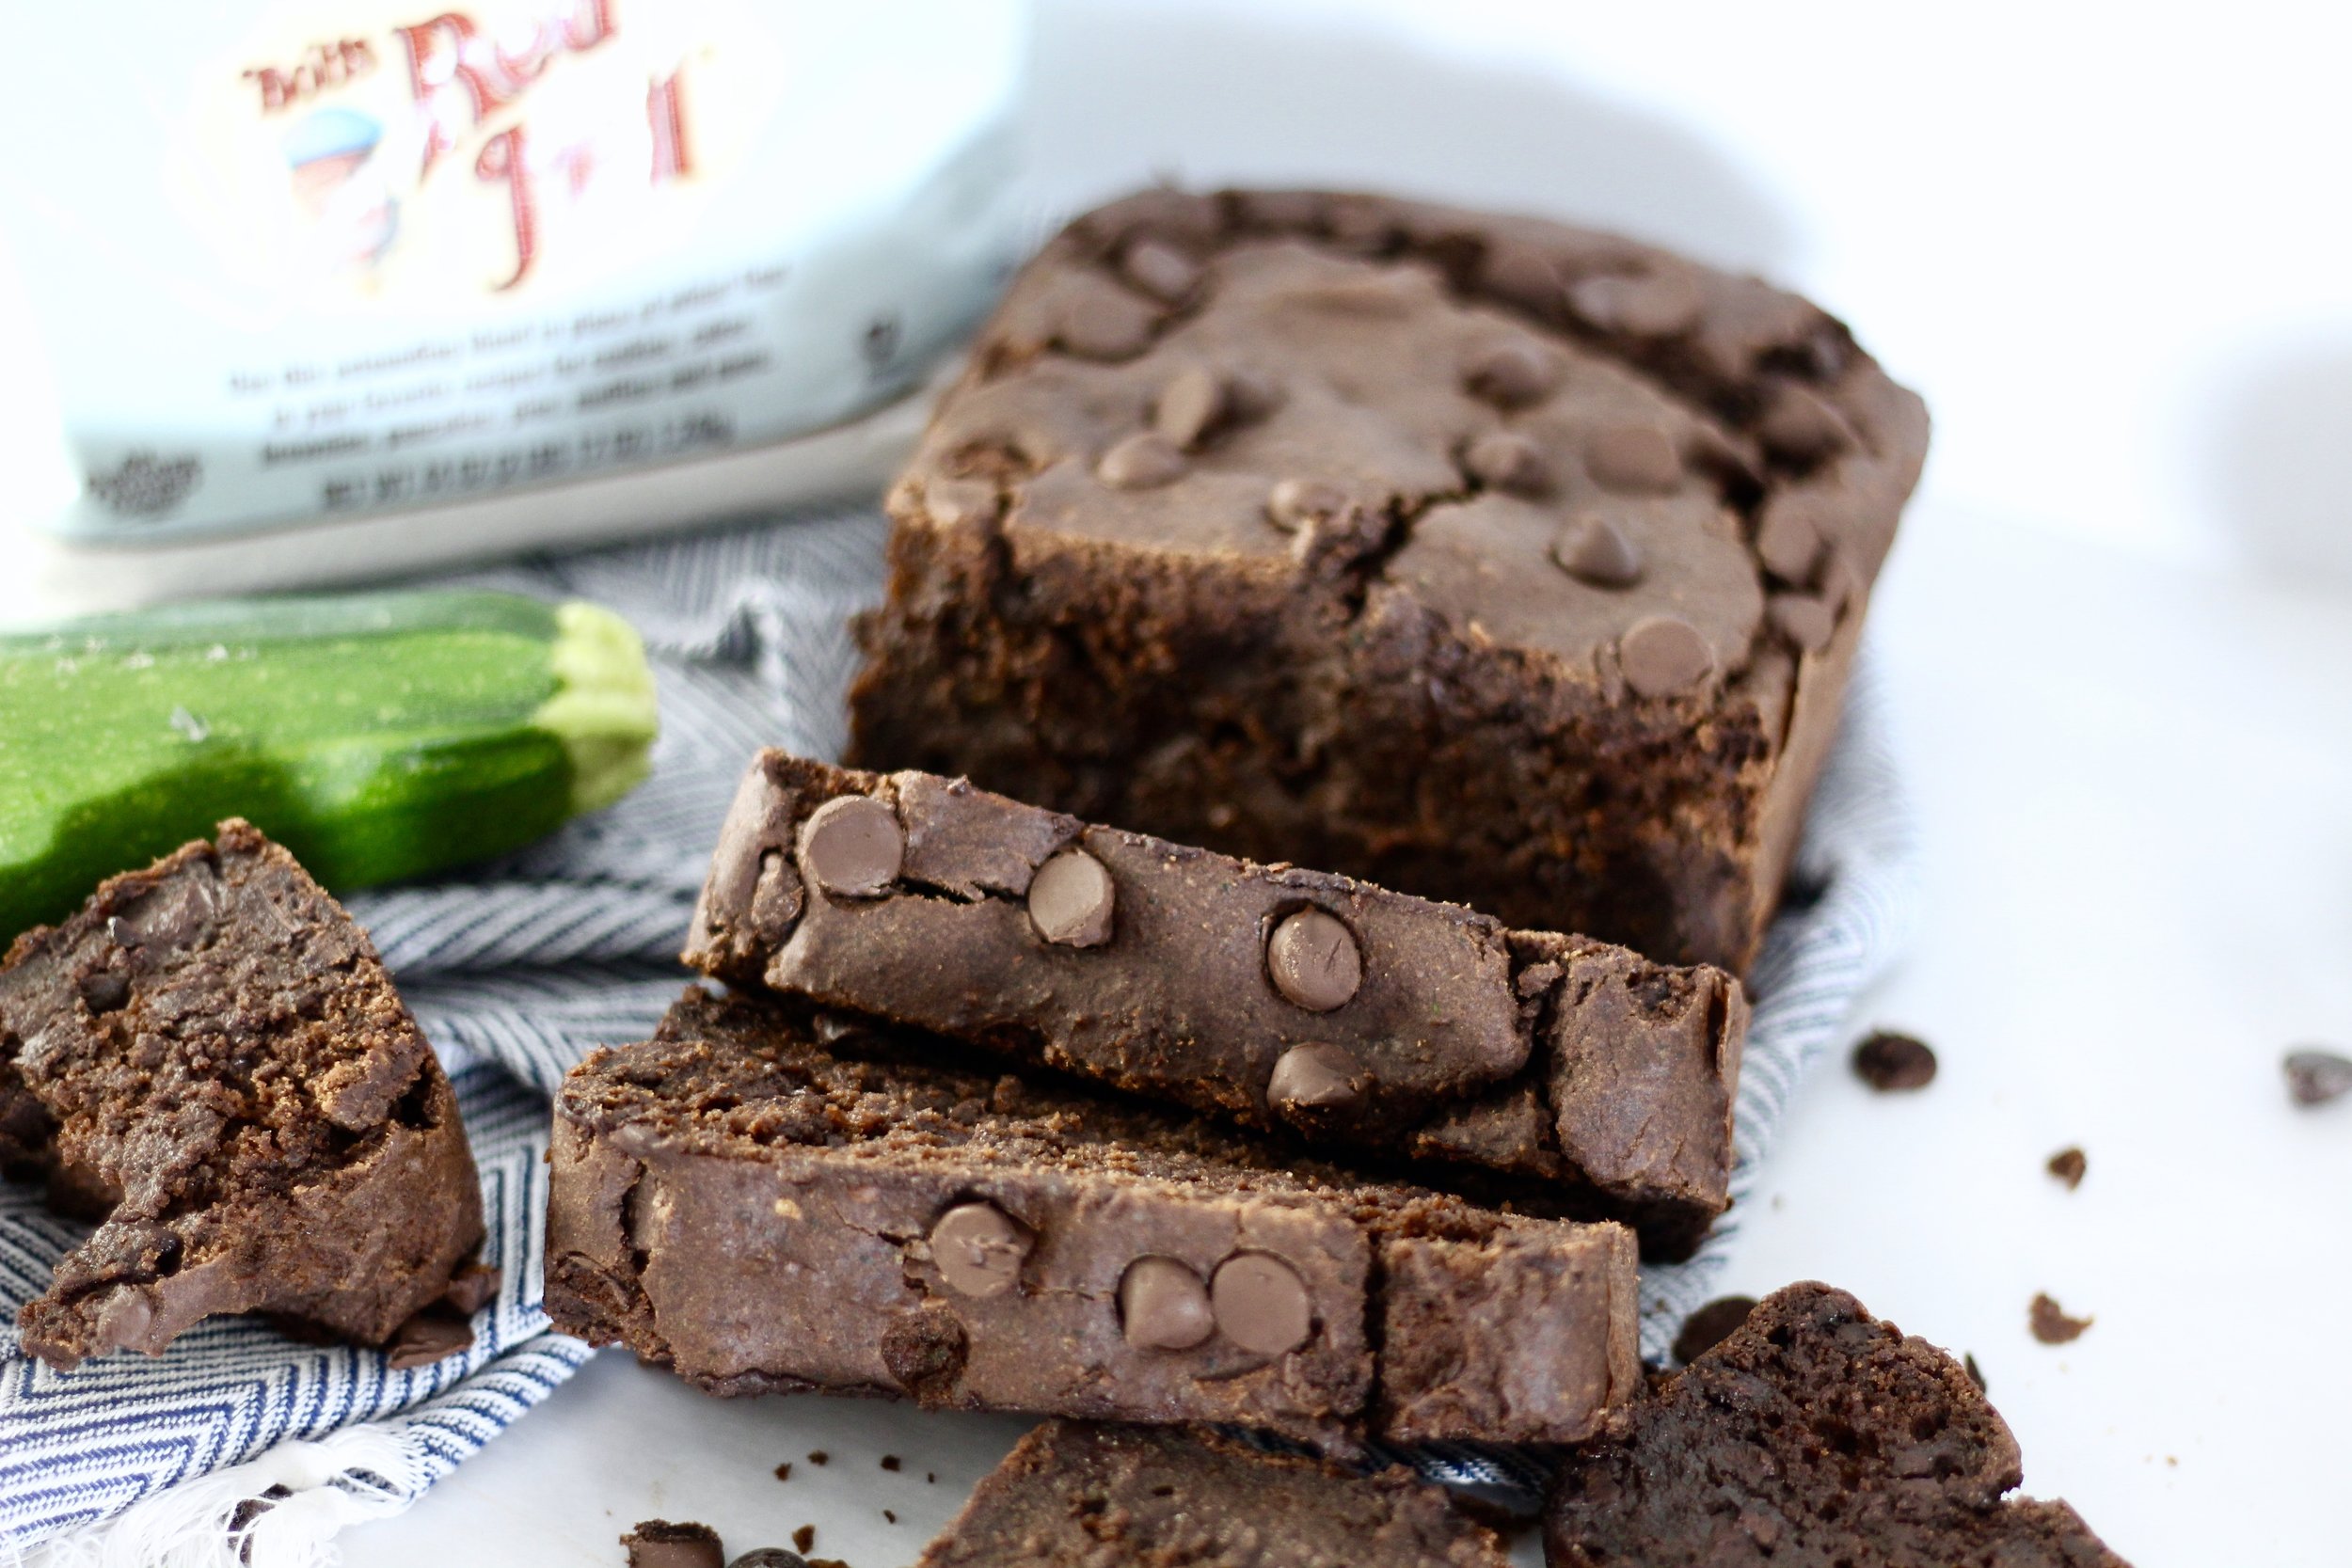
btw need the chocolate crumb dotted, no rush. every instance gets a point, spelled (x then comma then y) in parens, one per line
(784, 1471)
(1975, 1373)
(660, 1544)
(818, 1456)
(2067, 1165)
(2317, 1077)
(890, 1462)
(1888, 1062)
(892, 1518)
(430, 1336)
(1703, 1329)
(2051, 1325)
(803, 1538)
(930, 1478)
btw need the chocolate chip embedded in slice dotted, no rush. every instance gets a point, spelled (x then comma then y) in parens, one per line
(1637, 459)
(1789, 542)
(1315, 1076)
(1161, 270)
(1595, 551)
(1143, 461)
(1105, 323)
(1192, 406)
(1314, 961)
(1806, 619)
(1889, 1062)
(1507, 461)
(958, 502)
(1658, 305)
(1663, 655)
(1071, 900)
(1162, 1306)
(1294, 502)
(1510, 375)
(1261, 1304)
(979, 1249)
(2317, 1077)
(852, 846)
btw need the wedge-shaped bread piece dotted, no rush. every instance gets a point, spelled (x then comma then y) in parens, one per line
(210, 1059)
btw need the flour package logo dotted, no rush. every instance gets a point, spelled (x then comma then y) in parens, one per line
(365, 255)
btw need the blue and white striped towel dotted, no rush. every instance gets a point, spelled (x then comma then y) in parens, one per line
(517, 969)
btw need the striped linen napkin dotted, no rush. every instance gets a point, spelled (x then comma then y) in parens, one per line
(517, 969)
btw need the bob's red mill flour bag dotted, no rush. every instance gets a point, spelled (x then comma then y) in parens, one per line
(309, 290)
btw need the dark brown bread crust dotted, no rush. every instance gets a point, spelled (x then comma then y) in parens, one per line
(759, 1212)
(1082, 1494)
(210, 1058)
(1813, 1436)
(1245, 528)
(1572, 1077)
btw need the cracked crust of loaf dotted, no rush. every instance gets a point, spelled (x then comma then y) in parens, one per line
(1404, 685)
(210, 1061)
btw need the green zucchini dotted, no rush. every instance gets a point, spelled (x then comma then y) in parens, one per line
(376, 735)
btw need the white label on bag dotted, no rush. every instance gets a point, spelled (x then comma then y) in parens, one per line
(374, 254)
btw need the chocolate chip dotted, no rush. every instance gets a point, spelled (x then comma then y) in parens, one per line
(1842, 585)
(1161, 270)
(770, 1557)
(1802, 427)
(1663, 654)
(1314, 960)
(1105, 326)
(1162, 1306)
(1804, 619)
(924, 1350)
(1315, 1076)
(1509, 374)
(819, 1458)
(1070, 899)
(1141, 462)
(979, 1249)
(1261, 1304)
(2317, 1077)
(103, 991)
(852, 846)
(1638, 459)
(1522, 275)
(959, 503)
(1505, 460)
(659, 1544)
(1788, 541)
(1250, 395)
(2050, 1324)
(1655, 305)
(1889, 1062)
(1710, 1325)
(1294, 502)
(1190, 407)
(1595, 550)
(430, 1336)
(2067, 1165)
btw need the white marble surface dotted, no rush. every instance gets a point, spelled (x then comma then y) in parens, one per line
(2132, 781)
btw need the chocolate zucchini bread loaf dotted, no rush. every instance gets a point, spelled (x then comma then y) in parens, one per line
(1572, 1077)
(760, 1210)
(1482, 558)
(210, 1059)
(1080, 1495)
(1813, 1436)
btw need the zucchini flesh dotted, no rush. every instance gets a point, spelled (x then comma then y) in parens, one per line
(376, 735)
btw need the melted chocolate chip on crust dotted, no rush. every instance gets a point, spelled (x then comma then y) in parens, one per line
(1314, 960)
(853, 847)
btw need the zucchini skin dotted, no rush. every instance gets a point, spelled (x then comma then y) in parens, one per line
(377, 736)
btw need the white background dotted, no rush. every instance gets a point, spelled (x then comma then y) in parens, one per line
(2111, 246)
